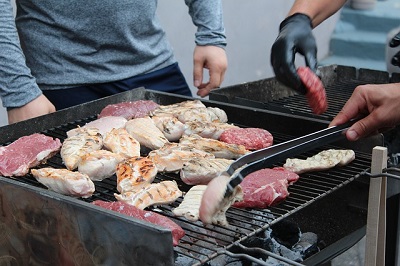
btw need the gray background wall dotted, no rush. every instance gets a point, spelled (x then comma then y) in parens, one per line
(251, 28)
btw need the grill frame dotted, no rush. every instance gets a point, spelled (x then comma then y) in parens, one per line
(82, 114)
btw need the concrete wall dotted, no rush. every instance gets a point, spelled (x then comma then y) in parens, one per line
(251, 28)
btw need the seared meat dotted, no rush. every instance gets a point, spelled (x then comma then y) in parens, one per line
(170, 126)
(172, 156)
(26, 152)
(201, 171)
(218, 148)
(145, 131)
(135, 173)
(164, 192)
(121, 142)
(65, 182)
(189, 208)
(73, 148)
(99, 164)
(211, 130)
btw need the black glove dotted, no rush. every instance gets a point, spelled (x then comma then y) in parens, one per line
(394, 43)
(295, 36)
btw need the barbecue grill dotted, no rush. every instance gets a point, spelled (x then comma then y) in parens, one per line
(40, 227)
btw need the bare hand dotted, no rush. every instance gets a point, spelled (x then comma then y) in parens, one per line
(40, 106)
(378, 104)
(214, 59)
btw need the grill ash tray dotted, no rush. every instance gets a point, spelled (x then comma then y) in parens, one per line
(53, 229)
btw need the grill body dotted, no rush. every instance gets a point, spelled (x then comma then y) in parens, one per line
(43, 227)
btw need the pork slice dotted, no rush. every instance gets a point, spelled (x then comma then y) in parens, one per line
(250, 138)
(148, 216)
(26, 152)
(266, 187)
(129, 110)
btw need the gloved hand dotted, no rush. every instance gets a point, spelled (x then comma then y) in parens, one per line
(295, 36)
(394, 43)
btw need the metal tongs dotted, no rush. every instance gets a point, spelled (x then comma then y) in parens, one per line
(268, 156)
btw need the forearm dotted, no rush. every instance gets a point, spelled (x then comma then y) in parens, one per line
(317, 10)
(17, 85)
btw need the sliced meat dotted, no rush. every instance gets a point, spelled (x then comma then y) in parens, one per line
(316, 94)
(129, 110)
(148, 216)
(189, 208)
(103, 124)
(266, 187)
(211, 130)
(119, 141)
(26, 152)
(164, 192)
(201, 171)
(65, 182)
(100, 164)
(321, 161)
(250, 138)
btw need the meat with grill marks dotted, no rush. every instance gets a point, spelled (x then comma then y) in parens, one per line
(202, 170)
(161, 193)
(212, 130)
(104, 125)
(65, 182)
(170, 126)
(189, 208)
(119, 141)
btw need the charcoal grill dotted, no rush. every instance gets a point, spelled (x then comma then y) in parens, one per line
(40, 227)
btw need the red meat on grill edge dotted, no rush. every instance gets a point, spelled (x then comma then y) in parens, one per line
(129, 110)
(148, 216)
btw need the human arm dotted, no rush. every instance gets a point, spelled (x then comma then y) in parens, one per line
(17, 86)
(378, 106)
(295, 36)
(210, 40)
(39, 106)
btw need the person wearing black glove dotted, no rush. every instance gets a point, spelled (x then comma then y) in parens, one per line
(395, 42)
(295, 36)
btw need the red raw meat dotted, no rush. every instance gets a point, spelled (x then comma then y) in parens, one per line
(266, 187)
(251, 138)
(129, 110)
(316, 94)
(26, 152)
(148, 216)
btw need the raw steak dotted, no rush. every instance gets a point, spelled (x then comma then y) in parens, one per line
(148, 216)
(316, 94)
(129, 110)
(26, 152)
(266, 187)
(250, 138)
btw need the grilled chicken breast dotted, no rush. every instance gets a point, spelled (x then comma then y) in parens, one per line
(218, 148)
(172, 156)
(189, 208)
(65, 182)
(170, 126)
(135, 173)
(164, 192)
(119, 141)
(73, 148)
(99, 164)
(211, 130)
(322, 161)
(201, 171)
(103, 124)
(145, 131)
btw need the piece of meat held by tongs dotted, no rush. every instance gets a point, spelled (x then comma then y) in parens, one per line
(224, 190)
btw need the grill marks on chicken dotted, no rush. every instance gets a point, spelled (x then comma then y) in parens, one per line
(73, 148)
(201, 171)
(189, 208)
(99, 164)
(65, 182)
(119, 141)
(211, 130)
(164, 192)
(170, 126)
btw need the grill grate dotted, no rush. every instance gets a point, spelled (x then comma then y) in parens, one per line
(203, 243)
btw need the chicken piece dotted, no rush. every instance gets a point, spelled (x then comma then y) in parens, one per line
(135, 173)
(65, 182)
(211, 130)
(145, 131)
(202, 170)
(121, 142)
(164, 192)
(214, 205)
(218, 148)
(103, 124)
(322, 161)
(170, 126)
(189, 208)
(177, 108)
(73, 148)
(205, 114)
(99, 164)
(172, 156)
